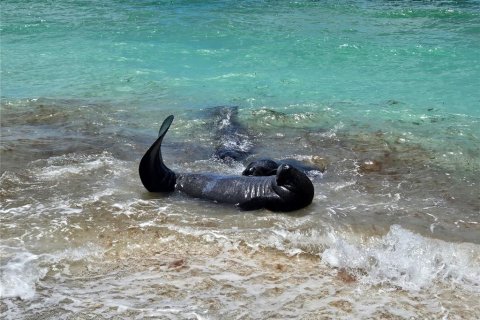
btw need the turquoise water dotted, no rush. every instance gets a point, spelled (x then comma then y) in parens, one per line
(192, 54)
(383, 96)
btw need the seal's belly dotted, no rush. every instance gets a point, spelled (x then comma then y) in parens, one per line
(227, 189)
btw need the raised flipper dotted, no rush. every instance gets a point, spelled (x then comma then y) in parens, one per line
(165, 126)
(155, 176)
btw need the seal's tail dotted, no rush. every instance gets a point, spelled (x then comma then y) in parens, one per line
(155, 176)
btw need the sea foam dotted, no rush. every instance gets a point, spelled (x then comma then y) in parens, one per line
(407, 260)
(21, 270)
(19, 275)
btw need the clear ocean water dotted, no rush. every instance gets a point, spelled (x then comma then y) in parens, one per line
(383, 96)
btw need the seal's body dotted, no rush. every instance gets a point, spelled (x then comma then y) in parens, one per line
(289, 189)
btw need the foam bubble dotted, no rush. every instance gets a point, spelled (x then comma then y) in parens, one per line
(408, 260)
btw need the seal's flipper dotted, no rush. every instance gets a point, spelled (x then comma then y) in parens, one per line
(165, 126)
(155, 176)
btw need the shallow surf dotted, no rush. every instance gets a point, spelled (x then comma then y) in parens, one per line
(392, 230)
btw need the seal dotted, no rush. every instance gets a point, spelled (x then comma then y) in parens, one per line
(268, 167)
(234, 142)
(288, 190)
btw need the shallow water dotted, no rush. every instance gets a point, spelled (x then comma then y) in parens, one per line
(381, 96)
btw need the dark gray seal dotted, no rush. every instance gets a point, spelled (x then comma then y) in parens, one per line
(233, 141)
(288, 190)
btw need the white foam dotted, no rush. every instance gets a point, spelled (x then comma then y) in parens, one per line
(19, 275)
(408, 260)
(296, 242)
(72, 164)
(21, 270)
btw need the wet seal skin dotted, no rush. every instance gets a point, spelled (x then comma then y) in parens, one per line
(268, 167)
(288, 189)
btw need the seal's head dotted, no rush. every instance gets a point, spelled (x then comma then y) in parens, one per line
(229, 155)
(294, 187)
(262, 167)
